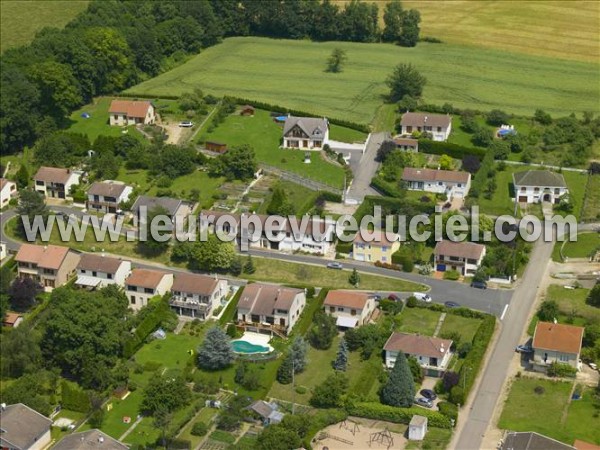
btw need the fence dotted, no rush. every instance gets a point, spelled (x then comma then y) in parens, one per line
(299, 179)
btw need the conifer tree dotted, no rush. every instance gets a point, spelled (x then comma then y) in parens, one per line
(400, 387)
(215, 352)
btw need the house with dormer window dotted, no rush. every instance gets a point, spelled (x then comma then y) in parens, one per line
(308, 133)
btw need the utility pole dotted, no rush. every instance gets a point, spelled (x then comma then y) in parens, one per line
(293, 385)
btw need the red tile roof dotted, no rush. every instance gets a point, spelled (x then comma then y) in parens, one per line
(53, 175)
(145, 278)
(415, 344)
(131, 108)
(557, 337)
(99, 263)
(194, 284)
(347, 299)
(10, 319)
(46, 257)
(379, 238)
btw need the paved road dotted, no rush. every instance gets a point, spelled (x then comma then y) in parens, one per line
(361, 185)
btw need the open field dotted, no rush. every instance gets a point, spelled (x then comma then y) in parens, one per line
(291, 73)
(573, 302)
(22, 20)
(563, 419)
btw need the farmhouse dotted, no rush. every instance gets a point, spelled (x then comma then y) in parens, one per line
(438, 125)
(305, 133)
(174, 208)
(55, 182)
(106, 196)
(8, 190)
(406, 144)
(380, 248)
(197, 296)
(23, 428)
(50, 265)
(464, 257)
(449, 182)
(555, 342)
(89, 440)
(131, 112)
(350, 308)
(534, 186)
(98, 271)
(270, 306)
(143, 284)
(433, 354)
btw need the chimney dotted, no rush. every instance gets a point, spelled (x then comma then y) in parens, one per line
(2, 406)
(101, 439)
(425, 119)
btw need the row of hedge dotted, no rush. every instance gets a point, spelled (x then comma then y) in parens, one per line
(150, 323)
(282, 109)
(229, 312)
(446, 148)
(74, 398)
(305, 320)
(377, 411)
(385, 188)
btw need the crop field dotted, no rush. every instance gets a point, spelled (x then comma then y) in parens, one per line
(21, 20)
(292, 74)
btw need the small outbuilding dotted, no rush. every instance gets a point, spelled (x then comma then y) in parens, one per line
(247, 110)
(214, 146)
(417, 428)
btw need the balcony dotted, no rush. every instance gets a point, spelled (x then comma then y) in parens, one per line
(181, 303)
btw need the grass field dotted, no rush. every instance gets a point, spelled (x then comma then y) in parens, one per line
(563, 419)
(264, 136)
(582, 248)
(573, 302)
(97, 124)
(591, 208)
(22, 20)
(310, 275)
(291, 73)
(418, 320)
(465, 326)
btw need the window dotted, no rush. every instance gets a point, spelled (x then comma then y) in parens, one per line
(384, 248)
(537, 189)
(332, 309)
(459, 185)
(94, 273)
(523, 189)
(133, 300)
(556, 191)
(116, 117)
(148, 291)
(109, 276)
(340, 309)
(439, 129)
(353, 312)
(563, 358)
(440, 183)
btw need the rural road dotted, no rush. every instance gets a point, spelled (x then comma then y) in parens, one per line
(361, 184)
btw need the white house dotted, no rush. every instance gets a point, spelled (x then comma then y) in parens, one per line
(417, 428)
(555, 342)
(8, 189)
(197, 296)
(307, 133)
(270, 306)
(55, 182)
(143, 284)
(453, 183)
(439, 125)
(433, 354)
(131, 112)
(106, 196)
(464, 257)
(23, 428)
(350, 308)
(98, 271)
(534, 186)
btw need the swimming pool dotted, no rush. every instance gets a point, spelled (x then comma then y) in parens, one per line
(241, 346)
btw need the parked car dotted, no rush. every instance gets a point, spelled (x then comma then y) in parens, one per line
(186, 124)
(422, 401)
(377, 297)
(422, 297)
(451, 305)
(479, 284)
(428, 394)
(394, 297)
(335, 265)
(524, 349)
(593, 366)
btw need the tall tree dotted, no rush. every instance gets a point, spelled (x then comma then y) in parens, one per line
(20, 352)
(31, 205)
(410, 28)
(212, 255)
(215, 353)
(329, 393)
(354, 278)
(405, 80)
(322, 331)
(23, 293)
(298, 353)
(341, 358)
(165, 394)
(280, 203)
(400, 388)
(392, 18)
(249, 267)
(336, 60)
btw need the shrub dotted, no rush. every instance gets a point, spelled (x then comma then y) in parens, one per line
(453, 150)
(199, 429)
(457, 395)
(539, 390)
(449, 410)
(74, 398)
(412, 302)
(301, 390)
(377, 411)
(557, 369)
(452, 275)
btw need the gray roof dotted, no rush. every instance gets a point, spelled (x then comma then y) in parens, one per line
(263, 409)
(414, 119)
(541, 178)
(311, 126)
(89, 440)
(170, 204)
(532, 441)
(107, 188)
(21, 426)
(263, 299)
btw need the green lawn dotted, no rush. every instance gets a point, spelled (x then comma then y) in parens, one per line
(562, 419)
(97, 124)
(291, 73)
(172, 352)
(302, 198)
(182, 187)
(576, 182)
(338, 133)
(22, 20)
(311, 275)
(264, 136)
(591, 208)
(583, 247)
(573, 302)
(144, 433)
(385, 118)
(418, 320)
(465, 326)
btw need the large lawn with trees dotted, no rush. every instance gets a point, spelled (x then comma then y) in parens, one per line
(293, 74)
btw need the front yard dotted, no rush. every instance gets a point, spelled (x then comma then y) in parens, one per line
(418, 321)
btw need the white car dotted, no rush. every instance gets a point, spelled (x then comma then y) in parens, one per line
(422, 296)
(186, 124)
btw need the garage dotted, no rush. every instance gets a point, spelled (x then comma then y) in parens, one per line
(441, 267)
(522, 199)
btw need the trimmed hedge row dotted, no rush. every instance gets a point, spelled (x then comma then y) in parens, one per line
(150, 323)
(454, 150)
(385, 188)
(271, 107)
(74, 398)
(231, 308)
(152, 97)
(377, 411)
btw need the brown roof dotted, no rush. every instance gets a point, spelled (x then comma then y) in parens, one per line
(145, 278)
(194, 284)
(46, 257)
(346, 299)
(582, 445)
(4, 182)
(453, 176)
(263, 299)
(415, 344)
(132, 108)
(22, 426)
(107, 188)
(468, 250)
(406, 141)
(379, 237)
(99, 263)
(89, 440)
(11, 318)
(53, 175)
(412, 119)
(557, 337)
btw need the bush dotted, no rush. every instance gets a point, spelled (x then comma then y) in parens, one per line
(557, 369)
(301, 390)
(452, 275)
(539, 390)
(453, 150)
(199, 429)
(74, 398)
(449, 410)
(377, 411)
(412, 302)
(457, 395)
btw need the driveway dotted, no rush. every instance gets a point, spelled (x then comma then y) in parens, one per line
(366, 169)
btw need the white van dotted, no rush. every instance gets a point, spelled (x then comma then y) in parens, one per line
(422, 297)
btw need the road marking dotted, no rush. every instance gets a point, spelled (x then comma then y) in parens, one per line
(503, 312)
